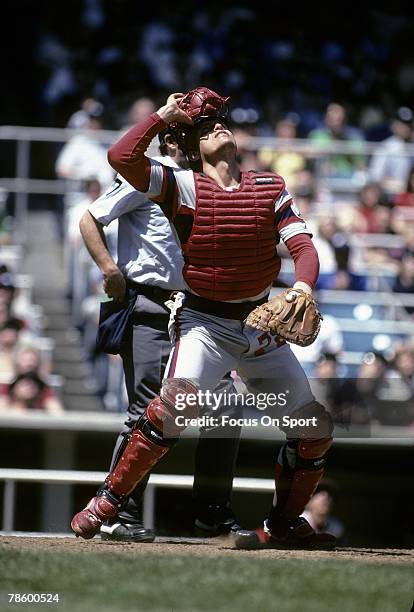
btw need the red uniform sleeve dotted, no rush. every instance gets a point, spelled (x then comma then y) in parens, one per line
(127, 155)
(305, 256)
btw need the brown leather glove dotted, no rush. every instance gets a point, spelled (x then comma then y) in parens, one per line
(292, 315)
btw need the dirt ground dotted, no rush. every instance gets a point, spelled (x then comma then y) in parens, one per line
(196, 546)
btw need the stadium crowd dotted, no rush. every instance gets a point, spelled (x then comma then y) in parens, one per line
(26, 380)
(316, 89)
(341, 221)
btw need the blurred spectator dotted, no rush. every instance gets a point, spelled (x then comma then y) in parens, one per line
(406, 198)
(80, 120)
(7, 289)
(403, 368)
(28, 358)
(283, 161)
(404, 282)
(318, 512)
(336, 128)
(327, 260)
(372, 209)
(390, 165)
(359, 396)
(29, 392)
(9, 336)
(324, 381)
(83, 157)
(327, 385)
(326, 366)
(305, 192)
(407, 232)
(77, 259)
(17, 305)
(395, 405)
(334, 250)
(140, 110)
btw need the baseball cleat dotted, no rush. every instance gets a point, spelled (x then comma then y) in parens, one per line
(296, 534)
(213, 520)
(218, 520)
(87, 523)
(126, 532)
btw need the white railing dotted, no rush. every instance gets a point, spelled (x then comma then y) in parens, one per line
(12, 476)
(22, 184)
(375, 298)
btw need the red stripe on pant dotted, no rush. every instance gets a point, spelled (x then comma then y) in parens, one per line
(174, 359)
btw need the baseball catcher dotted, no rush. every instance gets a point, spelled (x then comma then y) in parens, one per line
(229, 223)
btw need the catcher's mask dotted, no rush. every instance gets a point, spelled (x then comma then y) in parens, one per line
(201, 104)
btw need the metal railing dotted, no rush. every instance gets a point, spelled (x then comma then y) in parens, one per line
(12, 476)
(22, 184)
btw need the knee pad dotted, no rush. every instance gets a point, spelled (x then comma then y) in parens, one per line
(173, 401)
(312, 421)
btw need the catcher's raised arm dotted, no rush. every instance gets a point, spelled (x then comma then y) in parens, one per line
(127, 155)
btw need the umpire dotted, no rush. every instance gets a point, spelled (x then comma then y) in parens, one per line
(150, 262)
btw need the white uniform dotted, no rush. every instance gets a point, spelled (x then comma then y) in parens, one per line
(148, 251)
(207, 346)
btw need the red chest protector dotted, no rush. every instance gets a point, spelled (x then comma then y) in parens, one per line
(231, 253)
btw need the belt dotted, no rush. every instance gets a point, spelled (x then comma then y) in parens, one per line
(151, 291)
(226, 310)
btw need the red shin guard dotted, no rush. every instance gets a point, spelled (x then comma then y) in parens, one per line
(296, 484)
(152, 438)
(139, 456)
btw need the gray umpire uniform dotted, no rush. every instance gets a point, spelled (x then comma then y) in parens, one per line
(151, 260)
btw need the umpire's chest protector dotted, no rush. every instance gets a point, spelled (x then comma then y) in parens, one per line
(231, 252)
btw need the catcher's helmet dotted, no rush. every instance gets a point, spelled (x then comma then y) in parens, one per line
(200, 104)
(203, 103)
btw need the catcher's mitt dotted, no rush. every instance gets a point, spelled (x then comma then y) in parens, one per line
(292, 315)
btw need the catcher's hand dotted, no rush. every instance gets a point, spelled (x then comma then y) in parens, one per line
(171, 111)
(292, 315)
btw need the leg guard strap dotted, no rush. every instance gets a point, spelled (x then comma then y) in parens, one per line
(155, 433)
(145, 448)
(112, 497)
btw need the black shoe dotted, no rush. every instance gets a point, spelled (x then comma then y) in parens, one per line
(217, 520)
(214, 520)
(126, 532)
(296, 534)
